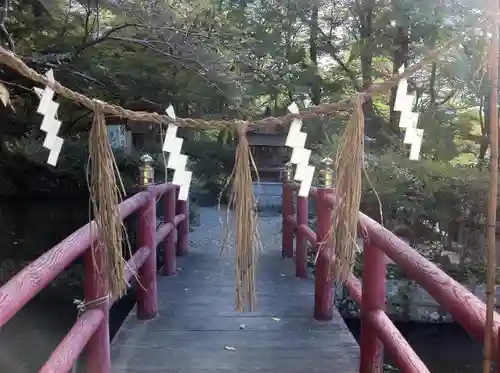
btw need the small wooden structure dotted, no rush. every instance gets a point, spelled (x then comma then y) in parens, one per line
(133, 135)
(269, 152)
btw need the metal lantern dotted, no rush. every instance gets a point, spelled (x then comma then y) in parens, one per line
(146, 171)
(326, 172)
(288, 172)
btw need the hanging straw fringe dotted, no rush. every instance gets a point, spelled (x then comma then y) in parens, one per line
(106, 191)
(247, 240)
(349, 166)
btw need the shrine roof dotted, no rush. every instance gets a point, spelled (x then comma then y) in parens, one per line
(267, 139)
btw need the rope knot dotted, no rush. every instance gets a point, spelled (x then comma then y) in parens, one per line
(357, 99)
(97, 102)
(82, 305)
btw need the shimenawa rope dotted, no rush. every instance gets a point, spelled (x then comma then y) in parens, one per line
(16, 63)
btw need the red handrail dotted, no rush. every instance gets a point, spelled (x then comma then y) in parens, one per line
(377, 330)
(91, 330)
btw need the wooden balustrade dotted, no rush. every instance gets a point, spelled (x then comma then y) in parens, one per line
(377, 330)
(91, 330)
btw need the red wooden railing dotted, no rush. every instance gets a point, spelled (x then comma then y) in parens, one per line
(91, 330)
(377, 330)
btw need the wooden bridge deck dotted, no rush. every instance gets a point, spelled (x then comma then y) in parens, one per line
(197, 323)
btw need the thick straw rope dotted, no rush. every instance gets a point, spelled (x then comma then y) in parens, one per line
(348, 179)
(10, 59)
(106, 190)
(247, 240)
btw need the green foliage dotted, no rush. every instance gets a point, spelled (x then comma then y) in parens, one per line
(231, 59)
(427, 191)
(437, 204)
(211, 164)
(74, 161)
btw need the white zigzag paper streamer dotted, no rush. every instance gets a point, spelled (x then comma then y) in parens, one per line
(408, 119)
(176, 160)
(300, 155)
(50, 125)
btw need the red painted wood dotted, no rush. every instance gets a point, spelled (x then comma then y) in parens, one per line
(133, 266)
(288, 228)
(301, 239)
(290, 219)
(67, 352)
(352, 283)
(169, 255)
(313, 192)
(179, 219)
(396, 345)
(323, 286)
(136, 262)
(98, 348)
(163, 232)
(498, 352)
(147, 298)
(183, 228)
(92, 328)
(354, 288)
(161, 189)
(308, 234)
(464, 306)
(374, 294)
(35, 276)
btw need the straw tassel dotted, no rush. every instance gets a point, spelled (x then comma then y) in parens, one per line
(242, 201)
(349, 166)
(106, 191)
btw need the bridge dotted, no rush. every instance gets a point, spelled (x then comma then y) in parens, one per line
(184, 319)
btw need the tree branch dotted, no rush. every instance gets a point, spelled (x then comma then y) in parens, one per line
(102, 38)
(447, 98)
(332, 51)
(3, 31)
(58, 66)
(71, 125)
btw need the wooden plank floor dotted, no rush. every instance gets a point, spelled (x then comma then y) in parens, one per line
(197, 321)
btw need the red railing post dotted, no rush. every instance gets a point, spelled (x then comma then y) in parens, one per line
(373, 298)
(323, 284)
(169, 266)
(498, 351)
(301, 240)
(147, 296)
(98, 347)
(183, 228)
(287, 210)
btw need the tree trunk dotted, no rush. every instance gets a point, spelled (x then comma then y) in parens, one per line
(366, 35)
(313, 50)
(485, 130)
(317, 133)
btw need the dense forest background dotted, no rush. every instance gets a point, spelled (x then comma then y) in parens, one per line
(248, 59)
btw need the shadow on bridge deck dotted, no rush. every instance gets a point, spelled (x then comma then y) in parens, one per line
(197, 323)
